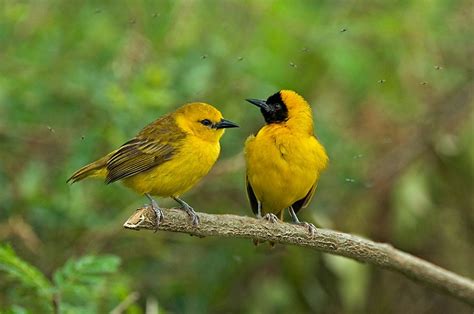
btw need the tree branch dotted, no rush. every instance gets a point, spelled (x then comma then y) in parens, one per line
(324, 240)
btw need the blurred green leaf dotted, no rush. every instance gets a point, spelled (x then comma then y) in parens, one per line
(87, 270)
(26, 274)
(84, 279)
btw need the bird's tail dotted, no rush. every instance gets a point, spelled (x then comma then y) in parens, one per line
(94, 169)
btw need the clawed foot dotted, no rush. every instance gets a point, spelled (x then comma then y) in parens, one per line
(311, 228)
(271, 218)
(158, 213)
(188, 209)
(192, 214)
(157, 210)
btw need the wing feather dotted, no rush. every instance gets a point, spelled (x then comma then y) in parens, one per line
(155, 144)
(302, 203)
(251, 195)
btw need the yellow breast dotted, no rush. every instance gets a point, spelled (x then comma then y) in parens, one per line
(193, 161)
(282, 166)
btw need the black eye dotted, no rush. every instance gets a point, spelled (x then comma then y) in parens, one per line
(206, 122)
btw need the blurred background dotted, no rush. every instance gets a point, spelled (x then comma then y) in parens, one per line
(390, 84)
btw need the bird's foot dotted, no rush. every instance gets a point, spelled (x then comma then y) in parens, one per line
(157, 210)
(270, 218)
(309, 226)
(192, 214)
(158, 213)
(188, 209)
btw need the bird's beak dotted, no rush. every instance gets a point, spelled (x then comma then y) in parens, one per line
(262, 104)
(225, 124)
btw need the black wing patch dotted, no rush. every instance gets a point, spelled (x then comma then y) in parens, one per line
(305, 200)
(252, 198)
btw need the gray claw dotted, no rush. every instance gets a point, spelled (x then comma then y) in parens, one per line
(311, 228)
(156, 209)
(188, 209)
(192, 214)
(271, 218)
(194, 218)
(159, 214)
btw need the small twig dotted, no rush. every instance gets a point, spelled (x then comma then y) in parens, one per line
(129, 300)
(324, 240)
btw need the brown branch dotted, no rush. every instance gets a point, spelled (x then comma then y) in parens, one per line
(324, 240)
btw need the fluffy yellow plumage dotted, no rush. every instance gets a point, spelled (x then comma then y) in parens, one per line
(167, 157)
(284, 159)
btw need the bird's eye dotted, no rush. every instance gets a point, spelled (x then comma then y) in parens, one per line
(206, 122)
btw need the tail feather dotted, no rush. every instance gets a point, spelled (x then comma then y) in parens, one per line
(94, 169)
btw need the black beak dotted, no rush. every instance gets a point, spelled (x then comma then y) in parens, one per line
(262, 104)
(225, 124)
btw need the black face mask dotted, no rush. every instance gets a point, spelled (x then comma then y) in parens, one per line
(273, 109)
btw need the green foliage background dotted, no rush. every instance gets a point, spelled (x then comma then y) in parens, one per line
(391, 88)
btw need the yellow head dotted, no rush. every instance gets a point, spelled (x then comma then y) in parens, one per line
(202, 120)
(287, 107)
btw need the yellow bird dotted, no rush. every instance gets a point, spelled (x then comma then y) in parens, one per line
(167, 157)
(284, 159)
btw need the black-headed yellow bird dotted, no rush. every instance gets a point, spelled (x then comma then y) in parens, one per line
(284, 160)
(167, 157)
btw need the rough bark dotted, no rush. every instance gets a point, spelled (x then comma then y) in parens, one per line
(328, 241)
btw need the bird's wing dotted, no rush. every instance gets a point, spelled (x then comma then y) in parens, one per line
(302, 203)
(154, 145)
(251, 195)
